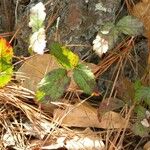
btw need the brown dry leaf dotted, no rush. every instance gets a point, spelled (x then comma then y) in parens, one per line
(78, 140)
(142, 11)
(92, 66)
(34, 69)
(84, 115)
(125, 90)
(110, 104)
(112, 120)
(147, 146)
(78, 115)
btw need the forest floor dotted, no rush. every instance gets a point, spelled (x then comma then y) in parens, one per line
(116, 115)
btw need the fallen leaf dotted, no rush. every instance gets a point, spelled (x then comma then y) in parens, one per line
(147, 146)
(34, 69)
(84, 115)
(141, 10)
(78, 140)
(110, 104)
(125, 90)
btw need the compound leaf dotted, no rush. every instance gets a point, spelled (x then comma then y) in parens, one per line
(130, 25)
(53, 85)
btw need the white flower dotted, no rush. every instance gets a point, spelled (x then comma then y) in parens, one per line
(145, 123)
(105, 31)
(100, 45)
(38, 42)
(147, 114)
(99, 6)
(37, 14)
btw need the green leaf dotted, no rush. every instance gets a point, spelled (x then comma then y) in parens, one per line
(130, 25)
(142, 93)
(6, 51)
(137, 85)
(53, 85)
(84, 78)
(140, 130)
(37, 23)
(140, 111)
(6, 68)
(113, 38)
(64, 56)
(138, 95)
(107, 27)
(6, 72)
(110, 33)
(40, 94)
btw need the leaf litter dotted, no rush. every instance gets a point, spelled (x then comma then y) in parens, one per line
(62, 123)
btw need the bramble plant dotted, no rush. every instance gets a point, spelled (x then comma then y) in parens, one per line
(137, 95)
(53, 85)
(142, 95)
(110, 32)
(6, 67)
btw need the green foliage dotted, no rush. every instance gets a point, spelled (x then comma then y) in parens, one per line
(108, 27)
(130, 25)
(64, 56)
(140, 111)
(142, 93)
(6, 72)
(140, 130)
(84, 78)
(6, 68)
(113, 37)
(137, 94)
(53, 85)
